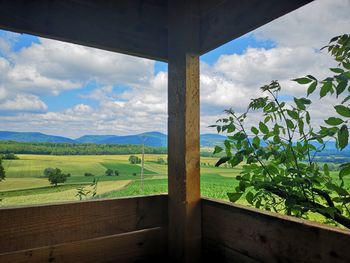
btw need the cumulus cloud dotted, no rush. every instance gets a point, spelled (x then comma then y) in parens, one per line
(23, 102)
(311, 25)
(130, 98)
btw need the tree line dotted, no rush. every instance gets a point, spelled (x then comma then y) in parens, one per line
(75, 149)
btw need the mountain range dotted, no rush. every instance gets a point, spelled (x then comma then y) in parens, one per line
(149, 138)
(156, 139)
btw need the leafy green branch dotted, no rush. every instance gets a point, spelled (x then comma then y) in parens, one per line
(279, 171)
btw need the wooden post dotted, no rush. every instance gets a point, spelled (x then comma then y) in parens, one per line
(183, 131)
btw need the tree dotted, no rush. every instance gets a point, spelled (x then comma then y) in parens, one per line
(134, 159)
(88, 174)
(280, 172)
(160, 161)
(109, 172)
(57, 177)
(2, 171)
(116, 173)
(10, 156)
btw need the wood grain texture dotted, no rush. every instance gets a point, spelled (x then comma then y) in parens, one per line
(223, 21)
(38, 226)
(143, 245)
(229, 230)
(183, 132)
(134, 27)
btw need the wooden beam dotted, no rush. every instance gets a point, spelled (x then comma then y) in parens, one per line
(138, 246)
(183, 129)
(38, 226)
(223, 21)
(233, 232)
(134, 27)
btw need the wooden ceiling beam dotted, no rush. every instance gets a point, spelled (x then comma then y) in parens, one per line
(225, 20)
(137, 27)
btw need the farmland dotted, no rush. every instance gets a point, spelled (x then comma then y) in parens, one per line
(25, 183)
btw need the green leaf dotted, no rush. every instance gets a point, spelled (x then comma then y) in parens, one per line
(341, 86)
(256, 142)
(307, 117)
(326, 87)
(342, 110)
(222, 160)
(337, 70)
(344, 171)
(343, 137)
(217, 149)
(333, 121)
(302, 80)
(290, 124)
(346, 99)
(311, 88)
(294, 115)
(233, 197)
(231, 128)
(254, 130)
(237, 159)
(326, 169)
(299, 103)
(263, 128)
(249, 197)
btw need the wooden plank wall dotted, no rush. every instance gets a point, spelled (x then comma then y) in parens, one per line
(119, 229)
(232, 233)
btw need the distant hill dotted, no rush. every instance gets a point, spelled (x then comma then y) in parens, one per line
(210, 140)
(150, 138)
(156, 139)
(32, 137)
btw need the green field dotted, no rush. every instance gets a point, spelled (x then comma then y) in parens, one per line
(25, 184)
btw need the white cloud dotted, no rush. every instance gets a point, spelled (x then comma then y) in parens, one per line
(312, 25)
(23, 102)
(130, 98)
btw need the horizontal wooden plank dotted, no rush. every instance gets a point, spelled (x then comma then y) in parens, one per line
(229, 229)
(223, 21)
(37, 226)
(134, 27)
(142, 245)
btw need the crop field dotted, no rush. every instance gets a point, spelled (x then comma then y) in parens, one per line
(25, 183)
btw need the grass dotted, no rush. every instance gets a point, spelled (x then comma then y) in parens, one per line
(60, 193)
(22, 183)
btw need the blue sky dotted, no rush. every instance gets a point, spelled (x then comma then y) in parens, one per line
(71, 90)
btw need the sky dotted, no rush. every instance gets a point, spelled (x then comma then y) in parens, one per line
(69, 90)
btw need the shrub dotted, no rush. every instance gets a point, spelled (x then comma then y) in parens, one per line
(109, 172)
(10, 156)
(134, 174)
(134, 159)
(88, 174)
(160, 161)
(116, 172)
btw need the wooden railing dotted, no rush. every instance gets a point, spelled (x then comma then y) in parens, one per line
(134, 229)
(93, 231)
(233, 233)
